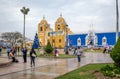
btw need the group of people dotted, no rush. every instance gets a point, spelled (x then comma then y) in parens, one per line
(77, 51)
(11, 54)
(107, 49)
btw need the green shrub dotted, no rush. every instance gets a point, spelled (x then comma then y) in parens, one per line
(107, 67)
(111, 71)
(48, 48)
(115, 54)
(117, 71)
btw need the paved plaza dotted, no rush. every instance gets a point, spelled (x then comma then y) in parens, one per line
(49, 68)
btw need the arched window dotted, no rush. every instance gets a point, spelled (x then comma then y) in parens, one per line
(49, 34)
(53, 40)
(59, 40)
(58, 27)
(79, 41)
(104, 41)
(41, 29)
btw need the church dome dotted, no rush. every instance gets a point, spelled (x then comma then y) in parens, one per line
(60, 20)
(43, 21)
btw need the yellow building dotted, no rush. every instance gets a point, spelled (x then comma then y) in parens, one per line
(57, 38)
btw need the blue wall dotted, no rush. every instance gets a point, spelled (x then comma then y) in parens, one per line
(111, 38)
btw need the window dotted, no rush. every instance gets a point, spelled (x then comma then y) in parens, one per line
(41, 29)
(53, 40)
(59, 40)
(58, 27)
(48, 34)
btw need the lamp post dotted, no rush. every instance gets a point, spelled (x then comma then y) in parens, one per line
(66, 51)
(52, 37)
(117, 21)
(24, 10)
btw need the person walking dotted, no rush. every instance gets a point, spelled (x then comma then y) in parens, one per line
(55, 53)
(32, 57)
(8, 52)
(24, 51)
(74, 52)
(0, 51)
(18, 50)
(105, 50)
(79, 53)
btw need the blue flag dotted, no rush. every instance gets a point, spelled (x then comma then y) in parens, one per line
(36, 42)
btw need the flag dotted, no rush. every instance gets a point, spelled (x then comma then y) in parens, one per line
(36, 43)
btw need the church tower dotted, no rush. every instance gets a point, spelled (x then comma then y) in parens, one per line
(61, 27)
(60, 24)
(43, 26)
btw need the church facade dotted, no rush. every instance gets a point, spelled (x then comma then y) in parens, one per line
(56, 37)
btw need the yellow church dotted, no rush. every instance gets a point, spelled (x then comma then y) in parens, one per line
(56, 37)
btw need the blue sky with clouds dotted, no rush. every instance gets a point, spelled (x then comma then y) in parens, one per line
(79, 14)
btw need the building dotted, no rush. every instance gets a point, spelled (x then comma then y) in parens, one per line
(62, 36)
(94, 39)
(57, 37)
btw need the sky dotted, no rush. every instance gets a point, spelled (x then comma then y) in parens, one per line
(79, 15)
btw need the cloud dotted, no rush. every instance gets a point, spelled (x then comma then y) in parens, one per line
(104, 2)
(77, 13)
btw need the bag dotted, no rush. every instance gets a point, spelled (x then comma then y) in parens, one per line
(11, 54)
(16, 60)
(33, 55)
(57, 55)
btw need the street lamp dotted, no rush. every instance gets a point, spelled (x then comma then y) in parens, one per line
(24, 10)
(66, 50)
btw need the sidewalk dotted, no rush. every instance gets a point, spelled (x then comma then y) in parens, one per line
(50, 68)
(5, 62)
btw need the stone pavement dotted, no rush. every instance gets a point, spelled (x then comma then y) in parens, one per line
(5, 62)
(48, 68)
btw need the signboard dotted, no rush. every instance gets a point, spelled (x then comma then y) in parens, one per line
(56, 33)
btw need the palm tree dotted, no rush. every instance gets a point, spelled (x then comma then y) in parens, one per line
(25, 12)
(117, 21)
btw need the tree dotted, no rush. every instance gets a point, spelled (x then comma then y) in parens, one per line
(36, 43)
(115, 54)
(11, 37)
(25, 11)
(49, 48)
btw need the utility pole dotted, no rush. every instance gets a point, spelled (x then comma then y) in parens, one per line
(66, 49)
(117, 21)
